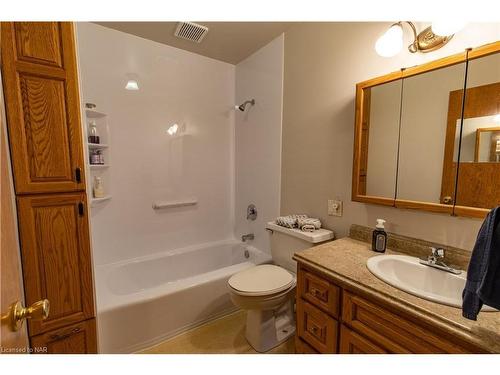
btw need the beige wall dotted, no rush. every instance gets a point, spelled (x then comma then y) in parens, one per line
(323, 62)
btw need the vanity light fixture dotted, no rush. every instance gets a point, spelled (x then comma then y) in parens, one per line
(172, 130)
(391, 42)
(497, 118)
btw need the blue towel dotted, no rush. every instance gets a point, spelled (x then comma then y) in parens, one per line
(483, 275)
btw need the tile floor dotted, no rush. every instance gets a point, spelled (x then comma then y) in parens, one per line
(222, 336)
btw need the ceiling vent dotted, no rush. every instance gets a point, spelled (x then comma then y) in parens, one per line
(191, 31)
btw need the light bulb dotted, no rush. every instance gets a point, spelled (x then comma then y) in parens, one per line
(497, 118)
(132, 85)
(391, 42)
(173, 129)
(448, 27)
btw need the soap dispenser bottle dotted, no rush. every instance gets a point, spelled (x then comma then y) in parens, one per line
(379, 237)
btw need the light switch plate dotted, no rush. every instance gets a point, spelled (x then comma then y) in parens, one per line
(334, 207)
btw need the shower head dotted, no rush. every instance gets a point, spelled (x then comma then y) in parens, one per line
(242, 107)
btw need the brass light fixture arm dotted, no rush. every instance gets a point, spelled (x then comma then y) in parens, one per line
(426, 40)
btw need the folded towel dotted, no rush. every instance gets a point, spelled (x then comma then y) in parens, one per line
(289, 221)
(309, 221)
(308, 228)
(483, 281)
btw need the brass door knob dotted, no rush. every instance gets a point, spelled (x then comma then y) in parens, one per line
(18, 314)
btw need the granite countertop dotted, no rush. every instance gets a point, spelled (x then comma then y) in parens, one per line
(345, 260)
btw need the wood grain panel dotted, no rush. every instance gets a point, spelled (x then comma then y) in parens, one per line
(316, 328)
(390, 331)
(11, 289)
(301, 347)
(43, 110)
(353, 343)
(39, 42)
(319, 292)
(56, 258)
(78, 338)
(45, 123)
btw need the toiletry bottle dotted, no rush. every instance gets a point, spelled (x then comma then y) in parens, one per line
(98, 188)
(95, 158)
(379, 237)
(99, 157)
(93, 135)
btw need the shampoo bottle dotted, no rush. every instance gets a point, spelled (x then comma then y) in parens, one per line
(379, 237)
(98, 188)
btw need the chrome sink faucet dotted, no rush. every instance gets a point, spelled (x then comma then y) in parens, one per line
(247, 237)
(435, 260)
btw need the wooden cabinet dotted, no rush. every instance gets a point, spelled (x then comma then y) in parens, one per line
(352, 343)
(56, 257)
(317, 328)
(42, 102)
(337, 320)
(319, 292)
(74, 339)
(46, 143)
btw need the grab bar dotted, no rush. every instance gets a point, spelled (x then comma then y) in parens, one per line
(171, 204)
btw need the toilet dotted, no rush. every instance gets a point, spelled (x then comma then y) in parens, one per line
(267, 291)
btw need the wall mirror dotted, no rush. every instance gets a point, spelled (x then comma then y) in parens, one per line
(378, 106)
(380, 134)
(420, 143)
(424, 173)
(478, 181)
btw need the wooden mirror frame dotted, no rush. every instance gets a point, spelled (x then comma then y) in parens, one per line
(362, 110)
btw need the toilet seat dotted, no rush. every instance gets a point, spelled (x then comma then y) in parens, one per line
(262, 280)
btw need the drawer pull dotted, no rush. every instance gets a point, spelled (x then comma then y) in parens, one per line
(65, 335)
(318, 293)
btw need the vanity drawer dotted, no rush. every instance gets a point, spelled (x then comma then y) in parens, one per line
(390, 331)
(352, 343)
(319, 292)
(301, 347)
(316, 328)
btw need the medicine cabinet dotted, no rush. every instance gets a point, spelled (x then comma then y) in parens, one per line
(421, 143)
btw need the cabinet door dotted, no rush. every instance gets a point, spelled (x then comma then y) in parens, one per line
(56, 257)
(316, 328)
(352, 343)
(78, 338)
(43, 111)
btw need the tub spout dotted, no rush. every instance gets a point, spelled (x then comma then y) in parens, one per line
(247, 237)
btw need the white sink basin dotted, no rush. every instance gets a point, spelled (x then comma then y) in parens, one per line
(406, 273)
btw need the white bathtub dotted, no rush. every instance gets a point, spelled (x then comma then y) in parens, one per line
(143, 301)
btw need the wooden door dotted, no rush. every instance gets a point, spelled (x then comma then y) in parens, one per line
(11, 289)
(56, 257)
(43, 112)
(79, 338)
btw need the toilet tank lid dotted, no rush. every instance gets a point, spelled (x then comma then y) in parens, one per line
(317, 236)
(266, 278)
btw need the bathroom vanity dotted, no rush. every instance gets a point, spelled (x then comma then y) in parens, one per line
(343, 308)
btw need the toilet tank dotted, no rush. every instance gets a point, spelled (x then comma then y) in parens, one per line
(285, 242)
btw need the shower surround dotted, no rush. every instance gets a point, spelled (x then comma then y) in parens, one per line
(208, 160)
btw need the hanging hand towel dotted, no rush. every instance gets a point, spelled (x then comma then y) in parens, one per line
(483, 281)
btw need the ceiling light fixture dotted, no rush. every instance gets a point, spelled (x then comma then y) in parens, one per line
(172, 130)
(391, 42)
(132, 85)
